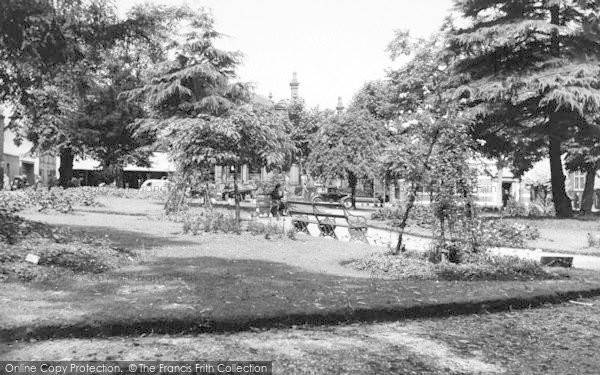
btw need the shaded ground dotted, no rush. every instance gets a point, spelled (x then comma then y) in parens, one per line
(228, 282)
(204, 294)
(559, 339)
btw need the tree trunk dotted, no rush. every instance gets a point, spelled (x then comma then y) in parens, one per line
(237, 196)
(352, 183)
(119, 176)
(562, 203)
(1, 151)
(409, 205)
(587, 200)
(66, 167)
(413, 193)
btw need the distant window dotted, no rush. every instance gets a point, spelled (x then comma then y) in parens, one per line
(578, 181)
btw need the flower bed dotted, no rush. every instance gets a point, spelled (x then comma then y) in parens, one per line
(413, 265)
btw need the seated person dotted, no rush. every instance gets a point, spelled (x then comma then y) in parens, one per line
(277, 205)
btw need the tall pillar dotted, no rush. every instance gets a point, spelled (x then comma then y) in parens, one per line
(294, 86)
(340, 106)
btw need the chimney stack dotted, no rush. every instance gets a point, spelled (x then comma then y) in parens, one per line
(294, 86)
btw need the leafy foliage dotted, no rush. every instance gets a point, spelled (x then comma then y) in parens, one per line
(68, 61)
(528, 73)
(197, 80)
(481, 267)
(210, 221)
(247, 135)
(348, 145)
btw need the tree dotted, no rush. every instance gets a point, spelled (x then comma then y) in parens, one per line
(583, 155)
(430, 145)
(304, 125)
(55, 59)
(348, 145)
(107, 125)
(377, 98)
(432, 149)
(200, 113)
(198, 80)
(247, 134)
(529, 72)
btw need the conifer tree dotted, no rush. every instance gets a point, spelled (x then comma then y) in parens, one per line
(528, 70)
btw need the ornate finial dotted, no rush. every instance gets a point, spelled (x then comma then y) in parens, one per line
(340, 105)
(294, 86)
(294, 80)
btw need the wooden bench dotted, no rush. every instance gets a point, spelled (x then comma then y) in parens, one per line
(301, 213)
(327, 216)
(368, 201)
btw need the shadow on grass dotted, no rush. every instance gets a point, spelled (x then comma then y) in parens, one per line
(130, 240)
(199, 295)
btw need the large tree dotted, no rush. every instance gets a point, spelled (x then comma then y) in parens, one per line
(429, 147)
(199, 78)
(55, 63)
(348, 145)
(108, 127)
(248, 134)
(200, 112)
(529, 70)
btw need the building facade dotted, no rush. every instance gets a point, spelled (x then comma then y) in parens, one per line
(18, 160)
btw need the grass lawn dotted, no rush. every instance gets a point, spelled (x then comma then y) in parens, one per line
(215, 282)
(178, 288)
(554, 340)
(563, 235)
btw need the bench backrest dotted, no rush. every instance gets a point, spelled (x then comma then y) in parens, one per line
(263, 201)
(329, 209)
(299, 207)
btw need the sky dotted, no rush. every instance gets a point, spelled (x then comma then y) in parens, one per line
(334, 46)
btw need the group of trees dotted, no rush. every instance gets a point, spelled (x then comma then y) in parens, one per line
(519, 76)
(63, 67)
(523, 76)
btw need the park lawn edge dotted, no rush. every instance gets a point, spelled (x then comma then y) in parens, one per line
(187, 323)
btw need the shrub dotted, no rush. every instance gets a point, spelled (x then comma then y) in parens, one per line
(112, 191)
(83, 196)
(493, 267)
(55, 200)
(515, 208)
(502, 233)
(210, 221)
(12, 202)
(420, 215)
(475, 267)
